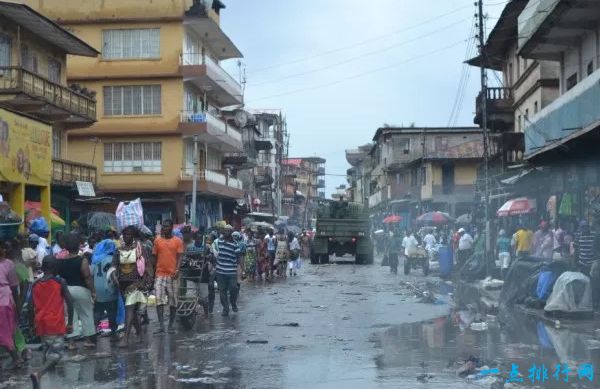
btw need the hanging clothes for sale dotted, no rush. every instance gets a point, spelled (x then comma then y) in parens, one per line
(566, 204)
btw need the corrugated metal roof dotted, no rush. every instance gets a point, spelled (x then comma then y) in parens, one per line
(46, 29)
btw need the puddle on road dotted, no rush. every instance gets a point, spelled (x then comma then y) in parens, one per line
(439, 347)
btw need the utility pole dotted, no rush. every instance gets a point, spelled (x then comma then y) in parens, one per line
(194, 183)
(484, 127)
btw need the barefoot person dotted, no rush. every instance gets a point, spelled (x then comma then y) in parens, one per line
(168, 250)
(48, 297)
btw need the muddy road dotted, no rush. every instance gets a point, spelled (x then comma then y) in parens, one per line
(336, 325)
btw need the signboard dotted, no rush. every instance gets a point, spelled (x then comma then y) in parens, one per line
(25, 150)
(85, 188)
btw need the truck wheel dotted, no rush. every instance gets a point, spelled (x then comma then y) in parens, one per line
(325, 259)
(406, 266)
(314, 258)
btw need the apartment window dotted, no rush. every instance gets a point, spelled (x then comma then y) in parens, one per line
(56, 143)
(129, 157)
(131, 43)
(132, 100)
(404, 145)
(590, 67)
(29, 59)
(572, 81)
(413, 177)
(510, 74)
(5, 50)
(448, 179)
(520, 123)
(54, 68)
(526, 117)
(423, 176)
(535, 107)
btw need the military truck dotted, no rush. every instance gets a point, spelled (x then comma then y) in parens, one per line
(342, 228)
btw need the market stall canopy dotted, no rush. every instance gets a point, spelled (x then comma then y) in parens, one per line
(518, 206)
(392, 219)
(464, 219)
(435, 218)
(101, 221)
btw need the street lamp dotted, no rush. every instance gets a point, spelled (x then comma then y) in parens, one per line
(194, 182)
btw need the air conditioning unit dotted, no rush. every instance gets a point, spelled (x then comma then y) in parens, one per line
(137, 168)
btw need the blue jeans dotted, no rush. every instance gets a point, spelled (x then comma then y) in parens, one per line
(227, 283)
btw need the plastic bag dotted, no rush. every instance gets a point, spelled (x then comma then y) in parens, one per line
(544, 285)
(130, 214)
(39, 226)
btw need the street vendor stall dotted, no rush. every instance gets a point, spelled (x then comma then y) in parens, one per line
(25, 161)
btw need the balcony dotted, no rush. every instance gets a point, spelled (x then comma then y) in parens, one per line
(207, 75)
(321, 171)
(500, 114)
(210, 129)
(212, 182)
(66, 173)
(321, 183)
(24, 91)
(572, 118)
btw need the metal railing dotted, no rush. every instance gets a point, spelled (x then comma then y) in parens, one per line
(17, 79)
(211, 65)
(212, 176)
(215, 125)
(68, 172)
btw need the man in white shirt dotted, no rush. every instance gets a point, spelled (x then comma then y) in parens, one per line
(465, 246)
(429, 241)
(410, 244)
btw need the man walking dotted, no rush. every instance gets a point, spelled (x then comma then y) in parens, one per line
(228, 255)
(465, 246)
(168, 251)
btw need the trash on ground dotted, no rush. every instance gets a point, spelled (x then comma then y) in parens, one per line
(492, 284)
(479, 326)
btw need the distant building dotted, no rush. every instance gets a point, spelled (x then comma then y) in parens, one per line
(419, 169)
(304, 188)
(359, 173)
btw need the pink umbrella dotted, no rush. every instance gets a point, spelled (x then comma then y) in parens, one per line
(392, 219)
(516, 206)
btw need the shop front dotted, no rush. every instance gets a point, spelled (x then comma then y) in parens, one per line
(25, 161)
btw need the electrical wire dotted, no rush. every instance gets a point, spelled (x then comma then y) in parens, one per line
(427, 21)
(363, 55)
(359, 74)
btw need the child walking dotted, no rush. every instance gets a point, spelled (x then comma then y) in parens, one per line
(48, 298)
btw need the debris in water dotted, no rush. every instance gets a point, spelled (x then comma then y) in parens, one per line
(479, 326)
(257, 342)
(292, 324)
(468, 368)
(352, 293)
(424, 377)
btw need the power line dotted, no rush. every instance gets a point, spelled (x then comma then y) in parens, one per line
(360, 56)
(359, 74)
(434, 19)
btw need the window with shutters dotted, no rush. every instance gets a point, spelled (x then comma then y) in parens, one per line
(132, 157)
(131, 43)
(131, 100)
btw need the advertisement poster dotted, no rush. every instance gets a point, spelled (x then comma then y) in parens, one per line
(25, 150)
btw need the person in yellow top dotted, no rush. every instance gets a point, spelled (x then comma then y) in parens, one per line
(522, 241)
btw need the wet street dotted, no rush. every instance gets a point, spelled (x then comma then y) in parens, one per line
(336, 325)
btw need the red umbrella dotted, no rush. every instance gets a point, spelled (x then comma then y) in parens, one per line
(516, 206)
(392, 219)
(435, 218)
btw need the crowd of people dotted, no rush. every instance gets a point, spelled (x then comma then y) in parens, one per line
(60, 293)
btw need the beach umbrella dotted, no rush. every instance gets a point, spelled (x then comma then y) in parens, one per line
(435, 218)
(518, 206)
(392, 219)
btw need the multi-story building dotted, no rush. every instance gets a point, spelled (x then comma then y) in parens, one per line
(424, 169)
(39, 108)
(160, 86)
(563, 136)
(526, 87)
(304, 188)
(359, 173)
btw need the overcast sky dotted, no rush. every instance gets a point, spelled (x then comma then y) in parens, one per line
(339, 69)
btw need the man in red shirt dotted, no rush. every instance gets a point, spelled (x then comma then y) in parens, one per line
(168, 251)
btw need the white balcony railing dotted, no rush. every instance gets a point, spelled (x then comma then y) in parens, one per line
(212, 67)
(213, 177)
(215, 126)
